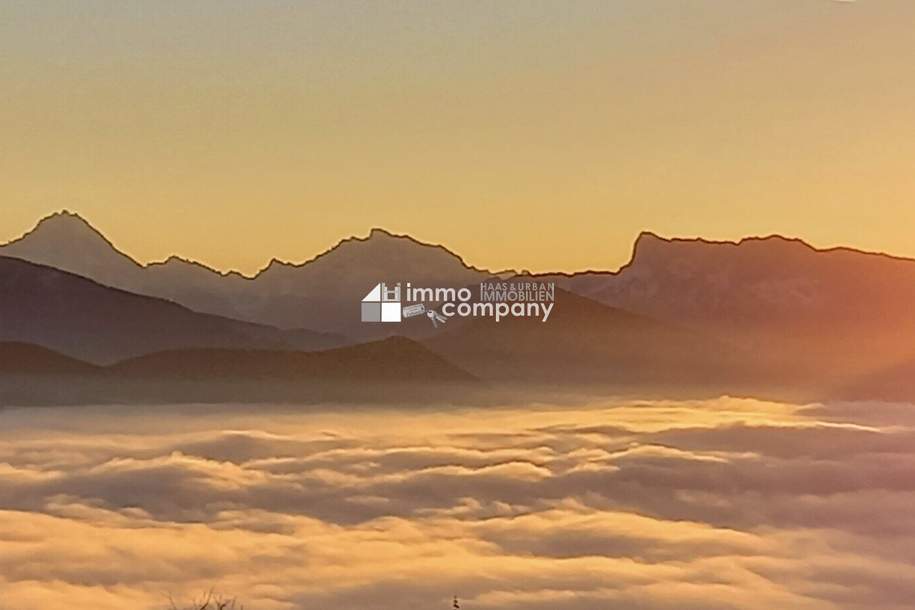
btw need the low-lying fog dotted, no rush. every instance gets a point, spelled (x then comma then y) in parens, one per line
(699, 505)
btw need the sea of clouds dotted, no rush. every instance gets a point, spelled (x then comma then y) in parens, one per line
(699, 505)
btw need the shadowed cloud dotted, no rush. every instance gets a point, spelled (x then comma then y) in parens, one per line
(731, 504)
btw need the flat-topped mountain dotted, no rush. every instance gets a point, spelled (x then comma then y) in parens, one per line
(753, 281)
(839, 309)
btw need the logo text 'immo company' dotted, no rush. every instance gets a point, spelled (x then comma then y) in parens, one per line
(497, 300)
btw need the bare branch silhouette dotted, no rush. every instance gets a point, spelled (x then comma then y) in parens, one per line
(210, 601)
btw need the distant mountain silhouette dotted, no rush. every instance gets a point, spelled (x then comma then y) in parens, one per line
(329, 288)
(396, 359)
(322, 293)
(587, 343)
(763, 308)
(27, 359)
(67, 242)
(395, 369)
(756, 291)
(837, 312)
(755, 281)
(81, 318)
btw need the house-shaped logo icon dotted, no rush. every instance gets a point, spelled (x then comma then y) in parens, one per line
(382, 304)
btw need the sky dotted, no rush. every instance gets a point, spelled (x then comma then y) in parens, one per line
(528, 134)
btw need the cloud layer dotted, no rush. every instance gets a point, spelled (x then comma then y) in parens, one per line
(724, 504)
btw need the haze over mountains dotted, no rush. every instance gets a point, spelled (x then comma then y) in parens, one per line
(323, 293)
(84, 319)
(837, 312)
(393, 369)
(587, 343)
(765, 312)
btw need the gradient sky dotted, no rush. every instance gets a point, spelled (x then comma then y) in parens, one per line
(540, 135)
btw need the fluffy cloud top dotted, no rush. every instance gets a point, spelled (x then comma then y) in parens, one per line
(725, 504)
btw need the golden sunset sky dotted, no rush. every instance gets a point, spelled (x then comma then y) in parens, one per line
(540, 135)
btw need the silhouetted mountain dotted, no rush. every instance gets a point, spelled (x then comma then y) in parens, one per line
(329, 288)
(27, 359)
(757, 281)
(79, 317)
(395, 369)
(392, 360)
(788, 311)
(31, 374)
(67, 242)
(820, 312)
(585, 342)
(322, 293)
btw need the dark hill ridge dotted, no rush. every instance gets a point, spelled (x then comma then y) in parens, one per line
(586, 342)
(27, 359)
(391, 370)
(79, 317)
(394, 360)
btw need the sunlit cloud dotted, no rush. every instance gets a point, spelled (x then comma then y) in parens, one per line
(730, 504)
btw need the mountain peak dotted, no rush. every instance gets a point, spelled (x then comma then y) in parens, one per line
(63, 212)
(63, 222)
(648, 244)
(68, 241)
(378, 232)
(62, 230)
(649, 238)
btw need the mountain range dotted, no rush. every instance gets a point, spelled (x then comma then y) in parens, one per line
(323, 293)
(837, 312)
(768, 312)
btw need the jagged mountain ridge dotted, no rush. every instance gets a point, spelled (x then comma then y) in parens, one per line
(828, 316)
(321, 293)
(780, 296)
